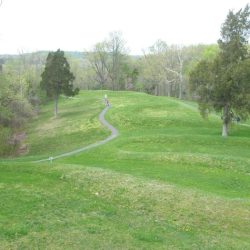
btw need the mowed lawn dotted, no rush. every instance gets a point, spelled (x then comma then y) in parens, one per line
(169, 181)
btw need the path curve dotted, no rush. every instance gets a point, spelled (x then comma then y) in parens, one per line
(114, 134)
(243, 124)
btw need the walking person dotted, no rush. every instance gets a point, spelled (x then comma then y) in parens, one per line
(106, 100)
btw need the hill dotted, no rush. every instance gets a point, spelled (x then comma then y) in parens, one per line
(168, 181)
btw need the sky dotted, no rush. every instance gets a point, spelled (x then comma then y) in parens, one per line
(76, 25)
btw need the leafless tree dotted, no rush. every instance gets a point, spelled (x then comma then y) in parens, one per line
(98, 61)
(166, 63)
(107, 60)
(116, 49)
(174, 65)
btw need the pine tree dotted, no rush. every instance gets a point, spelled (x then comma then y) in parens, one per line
(224, 83)
(57, 78)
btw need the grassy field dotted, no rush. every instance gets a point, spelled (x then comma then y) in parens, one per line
(77, 125)
(169, 181)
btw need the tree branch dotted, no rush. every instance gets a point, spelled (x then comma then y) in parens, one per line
(172, 71)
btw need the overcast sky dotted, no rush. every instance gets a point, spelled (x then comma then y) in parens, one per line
(32, 25)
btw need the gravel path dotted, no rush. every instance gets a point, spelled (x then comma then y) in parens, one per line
(114, 133)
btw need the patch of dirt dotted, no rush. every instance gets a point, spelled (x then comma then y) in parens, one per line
(18, 140)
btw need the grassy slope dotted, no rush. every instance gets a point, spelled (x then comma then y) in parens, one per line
(168, 181)
(77, 125)
(167, 140)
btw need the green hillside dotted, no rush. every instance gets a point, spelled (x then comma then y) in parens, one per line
(77, 125)
(168, 181)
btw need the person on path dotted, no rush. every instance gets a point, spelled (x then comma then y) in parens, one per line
(106, 100)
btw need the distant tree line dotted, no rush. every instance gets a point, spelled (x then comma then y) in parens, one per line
(162, 69)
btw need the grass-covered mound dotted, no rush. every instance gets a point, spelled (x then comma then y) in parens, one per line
(77, 125)
(169, 181)
(165, 139)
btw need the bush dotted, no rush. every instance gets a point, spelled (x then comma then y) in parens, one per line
(6, 148)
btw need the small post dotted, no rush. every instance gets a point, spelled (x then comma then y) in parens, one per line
(51, 159)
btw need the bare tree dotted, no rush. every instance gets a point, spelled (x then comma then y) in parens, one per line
(108, 59)
(173, 64)
(164, 69)
(116, 50)
(98, 60)
(165, 65)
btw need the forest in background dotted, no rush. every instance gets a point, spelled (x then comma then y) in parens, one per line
(162, 69)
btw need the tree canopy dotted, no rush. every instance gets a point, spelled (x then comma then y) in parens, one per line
(223, 84)
(57, 78)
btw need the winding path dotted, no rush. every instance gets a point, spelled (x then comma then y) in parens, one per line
(114, 134)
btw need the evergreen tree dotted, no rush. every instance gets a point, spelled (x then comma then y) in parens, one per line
(57, 78)
(224, 83)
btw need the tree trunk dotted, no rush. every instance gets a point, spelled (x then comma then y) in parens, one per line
(180, 87)
(56, 106)
(226, 120)
(225, 129)
(181, 81)
(156, 90)
(180, 75)
(169, 88)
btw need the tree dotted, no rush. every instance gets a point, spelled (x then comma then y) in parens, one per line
(14, 107)
(98, 59)
(57, 78)
(131, 73)
(152, 72)
(108, 60)
(223, 83)
(117, 51)
(165, 65)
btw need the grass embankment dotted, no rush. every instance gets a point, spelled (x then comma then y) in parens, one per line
(169, 181)
(77, 125)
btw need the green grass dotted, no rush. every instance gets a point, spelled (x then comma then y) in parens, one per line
(165, 140)
(77, 125)
(169, 181)
(69, 206)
